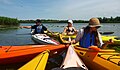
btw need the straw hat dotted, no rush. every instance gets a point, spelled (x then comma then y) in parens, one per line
(94, 22)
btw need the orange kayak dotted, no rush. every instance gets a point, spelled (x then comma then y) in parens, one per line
(15, 54)
(99, 59)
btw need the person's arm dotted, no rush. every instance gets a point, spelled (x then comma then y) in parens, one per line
(64, 31)
(28, 27)
(79, 35)
(49, 31)
(104, 45)
(75, 30)
(100, 40)
(107, 43)
(44, 28)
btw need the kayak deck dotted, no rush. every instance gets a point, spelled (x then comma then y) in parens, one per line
(99, 60)
(112, 57)
(15, 54)
(37, 63)
(44, 39)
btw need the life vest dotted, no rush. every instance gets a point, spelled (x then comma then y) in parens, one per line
(83, 42)
(88, 39)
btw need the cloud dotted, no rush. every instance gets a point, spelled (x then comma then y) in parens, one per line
(90, 8)
(60, 9)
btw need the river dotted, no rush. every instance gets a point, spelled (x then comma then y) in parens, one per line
(23, 37)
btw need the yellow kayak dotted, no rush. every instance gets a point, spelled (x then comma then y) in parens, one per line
(66, 38)
(114, 38)
(53, 34)
(37, 63)
(104, 59)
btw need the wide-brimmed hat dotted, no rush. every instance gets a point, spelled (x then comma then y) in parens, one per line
(94, 22)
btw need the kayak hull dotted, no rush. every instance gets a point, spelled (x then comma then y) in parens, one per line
(16, 54)
(94, 61)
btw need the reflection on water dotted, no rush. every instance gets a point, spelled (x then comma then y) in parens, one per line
(12, 37)
(22, 36)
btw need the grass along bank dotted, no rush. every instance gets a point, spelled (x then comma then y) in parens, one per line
(9, 21)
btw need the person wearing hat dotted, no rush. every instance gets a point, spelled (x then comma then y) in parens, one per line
(69, 30)
(89, 36)
(39, 27)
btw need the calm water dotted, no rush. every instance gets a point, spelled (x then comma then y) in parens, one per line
(23, 37)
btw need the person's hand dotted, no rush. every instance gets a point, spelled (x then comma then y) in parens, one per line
(67, 45)
(52, 33)
(110, 41)
(63, 33)
(72, 42)
(21, 27)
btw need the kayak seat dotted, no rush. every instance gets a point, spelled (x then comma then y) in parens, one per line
(46, 38)
(117, 38)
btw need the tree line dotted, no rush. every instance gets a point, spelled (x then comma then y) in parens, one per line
(102, 20)
(8, 21)
(15, 21)
(52, 21)
(109, 20)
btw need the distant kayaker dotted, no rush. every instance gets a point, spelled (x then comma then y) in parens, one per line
(39, 27)
(69, 30)
(89, 35)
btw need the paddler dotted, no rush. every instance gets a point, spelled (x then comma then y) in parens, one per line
(89, 35)
(69, 30)
(39, 28)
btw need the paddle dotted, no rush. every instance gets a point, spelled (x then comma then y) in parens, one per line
(8, 49)
(53, 34)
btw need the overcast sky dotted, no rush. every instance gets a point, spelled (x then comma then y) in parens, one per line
(59, 9)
